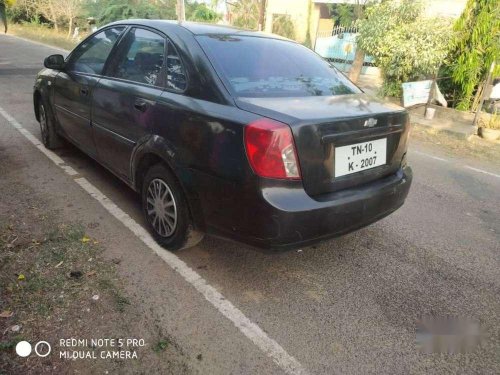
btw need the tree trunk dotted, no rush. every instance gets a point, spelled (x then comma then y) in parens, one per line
(262, 15)
(357, 65)
(3, 14)
(53, 16)
(70, 26)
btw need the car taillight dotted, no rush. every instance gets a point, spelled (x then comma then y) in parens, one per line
(271, 150)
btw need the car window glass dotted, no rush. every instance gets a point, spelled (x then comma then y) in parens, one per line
(266, 67)
(142, 58)
(92, 54)
(176, 76)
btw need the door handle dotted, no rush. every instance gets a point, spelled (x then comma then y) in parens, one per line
(141, 105)
(84, 91)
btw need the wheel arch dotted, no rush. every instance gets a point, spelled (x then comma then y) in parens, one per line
(156, 150)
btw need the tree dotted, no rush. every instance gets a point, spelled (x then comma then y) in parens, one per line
(106, 11)
(3, 12)
(47, 8)
(283, 25)
(358, 13)
(405, 44)
(476, 46)
(24, 11)
(247, 13)
(68, 10)
(343, 14)
(196, 11)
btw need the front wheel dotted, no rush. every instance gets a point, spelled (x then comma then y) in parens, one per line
(50, 138)
(166, 210)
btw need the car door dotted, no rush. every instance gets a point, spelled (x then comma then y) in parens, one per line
(73, 86)
(124, 101)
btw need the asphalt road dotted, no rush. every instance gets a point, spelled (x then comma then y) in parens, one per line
(346, 306)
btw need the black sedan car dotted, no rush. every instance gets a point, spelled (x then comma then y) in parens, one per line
(228, 132)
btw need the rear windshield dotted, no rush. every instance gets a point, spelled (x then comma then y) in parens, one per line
(263, 67)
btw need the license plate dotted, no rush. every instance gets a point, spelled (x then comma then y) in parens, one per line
(360, 156)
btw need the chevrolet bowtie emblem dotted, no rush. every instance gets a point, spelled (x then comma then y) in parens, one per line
(370, 123)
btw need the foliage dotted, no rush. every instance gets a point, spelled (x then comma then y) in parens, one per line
(106, 11)
(23, 11)
(3, 11)
(246, 14)
(476, 46)
(342, 14)
(199, 12)
(347, 14)
(283, 25)
(405, 44)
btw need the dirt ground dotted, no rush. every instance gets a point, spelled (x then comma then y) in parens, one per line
(55, 283)
(475, 147)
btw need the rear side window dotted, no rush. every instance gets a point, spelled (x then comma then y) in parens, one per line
(91, 55)
(142, 58)
(176, 75)
(265, 67)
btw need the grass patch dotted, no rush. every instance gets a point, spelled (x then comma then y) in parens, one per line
(161, 345)
(120, 302)
(42, 34)
(51, 279)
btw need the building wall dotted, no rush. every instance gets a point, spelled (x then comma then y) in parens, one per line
(296, 9)
(445, 8)
(298, 12)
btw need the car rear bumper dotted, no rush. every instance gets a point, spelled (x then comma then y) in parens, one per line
(282, 217)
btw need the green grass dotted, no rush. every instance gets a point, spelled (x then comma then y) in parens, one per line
(161, 345)
(42, 34)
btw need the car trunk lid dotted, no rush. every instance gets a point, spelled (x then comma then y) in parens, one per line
(321, 126)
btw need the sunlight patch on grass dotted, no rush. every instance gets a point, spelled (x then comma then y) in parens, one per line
(42, 34)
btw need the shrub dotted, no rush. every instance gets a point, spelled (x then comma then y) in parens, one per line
(283, 25)
(475, 47)
(406, 45)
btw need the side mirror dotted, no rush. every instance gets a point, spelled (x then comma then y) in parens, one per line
(54, 62)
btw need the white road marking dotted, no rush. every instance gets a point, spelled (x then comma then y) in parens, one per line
(251, 330)
(463, 166)
(481, 171)
(430, 156)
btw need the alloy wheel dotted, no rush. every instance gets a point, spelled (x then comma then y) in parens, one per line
(161, 208)
(43, 125)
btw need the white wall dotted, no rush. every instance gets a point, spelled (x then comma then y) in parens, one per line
(445, 8)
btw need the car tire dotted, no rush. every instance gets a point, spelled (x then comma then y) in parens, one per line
(50, 138)
(166, 211)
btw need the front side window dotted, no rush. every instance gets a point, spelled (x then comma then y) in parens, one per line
(142, 58)
(264, 67)
(91, 55)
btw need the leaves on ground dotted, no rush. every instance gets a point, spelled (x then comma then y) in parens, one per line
(6, 314)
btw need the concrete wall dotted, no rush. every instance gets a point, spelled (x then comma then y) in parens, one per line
(296, 9)
(298, 12)
(445, 8)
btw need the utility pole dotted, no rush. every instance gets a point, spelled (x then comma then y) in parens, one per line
(181, 11)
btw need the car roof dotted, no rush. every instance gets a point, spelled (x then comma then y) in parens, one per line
(196, 28)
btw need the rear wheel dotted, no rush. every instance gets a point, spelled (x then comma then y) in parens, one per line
(166, 211)
(50, 138)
